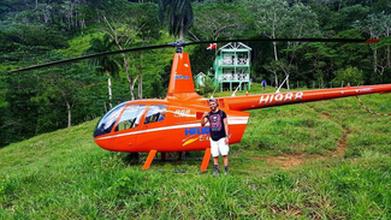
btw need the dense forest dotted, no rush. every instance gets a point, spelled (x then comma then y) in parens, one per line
(39, 31)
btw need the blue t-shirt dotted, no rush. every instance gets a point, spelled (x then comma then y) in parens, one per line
(216, 121)
(264, 83)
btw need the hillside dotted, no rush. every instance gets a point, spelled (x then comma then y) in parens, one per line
(328, 159)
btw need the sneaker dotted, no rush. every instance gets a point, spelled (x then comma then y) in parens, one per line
(226, 170)
(216, 170)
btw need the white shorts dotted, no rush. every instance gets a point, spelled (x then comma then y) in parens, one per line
(218, 147)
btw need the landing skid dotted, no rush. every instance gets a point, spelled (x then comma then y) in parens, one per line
(205, 160)
(149, 160)
(152, 154)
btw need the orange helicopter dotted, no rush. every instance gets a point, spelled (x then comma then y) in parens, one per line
(174, 124)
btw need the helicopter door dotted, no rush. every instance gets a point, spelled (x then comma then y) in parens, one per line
(128, 123)
(153, 122)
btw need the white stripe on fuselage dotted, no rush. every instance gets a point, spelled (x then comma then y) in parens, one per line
(231, 121)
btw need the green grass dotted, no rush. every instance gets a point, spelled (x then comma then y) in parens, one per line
(63, 174)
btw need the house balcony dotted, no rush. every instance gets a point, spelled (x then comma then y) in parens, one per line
(241, 62)
(229, 77)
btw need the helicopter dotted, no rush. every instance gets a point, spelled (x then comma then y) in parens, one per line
(173, 124)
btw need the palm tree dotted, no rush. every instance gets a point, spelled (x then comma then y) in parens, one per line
(179, 14)
(105, 64)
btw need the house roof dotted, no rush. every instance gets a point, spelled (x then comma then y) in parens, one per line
(235, 46)
(200, 74)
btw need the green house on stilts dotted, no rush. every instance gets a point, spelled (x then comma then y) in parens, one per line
(232, 67)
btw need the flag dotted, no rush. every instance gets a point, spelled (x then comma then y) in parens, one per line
(212, 46)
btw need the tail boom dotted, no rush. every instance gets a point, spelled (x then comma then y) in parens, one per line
(242, 103)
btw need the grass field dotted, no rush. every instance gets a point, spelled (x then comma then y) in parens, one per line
(323, 160)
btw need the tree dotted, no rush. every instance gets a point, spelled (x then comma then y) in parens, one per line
(127, 31)
(317, 58)
(271, 19)
(57, 86)
(378, 26)
(3, 108)
(278, 19)
(302, 22)
(21, 113)
(179, 15)
(350, 76)
(213, 21)
(347, 16)
(106, 64)
(122, 37)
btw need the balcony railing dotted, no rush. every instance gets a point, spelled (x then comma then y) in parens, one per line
(240, 61)
(234, 77)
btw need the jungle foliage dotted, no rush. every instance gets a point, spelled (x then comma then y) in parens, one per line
(38, 31)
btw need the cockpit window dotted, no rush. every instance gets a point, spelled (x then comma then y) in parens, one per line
(107, 122)
(130, 117)
(155, 113)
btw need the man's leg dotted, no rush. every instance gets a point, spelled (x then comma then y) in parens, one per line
(224, 149)
(215, 154)
(216, 161)
(225, 160)
(216, 169)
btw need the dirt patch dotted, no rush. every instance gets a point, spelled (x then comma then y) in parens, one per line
(287, 161)
(289, 210)
(342, 144)
(326, 115)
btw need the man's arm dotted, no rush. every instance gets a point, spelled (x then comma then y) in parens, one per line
(226, 130)
(204, 119)
(226, 127)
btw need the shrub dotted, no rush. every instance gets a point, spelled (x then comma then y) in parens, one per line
(350, 75)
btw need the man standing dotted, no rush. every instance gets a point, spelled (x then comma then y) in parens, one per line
(218, 135)
(264, 84)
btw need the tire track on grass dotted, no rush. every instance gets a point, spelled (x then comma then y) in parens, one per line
(287, 161)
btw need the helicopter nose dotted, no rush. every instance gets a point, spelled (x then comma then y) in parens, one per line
(103, 143)
(99, 141)
(113, 144)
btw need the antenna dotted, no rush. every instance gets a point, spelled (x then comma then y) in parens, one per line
(285, 81)
(237, 88)
(214, 91)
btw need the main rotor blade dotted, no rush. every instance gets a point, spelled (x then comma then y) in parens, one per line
(76, 59)
(322, 40)
(181, 44)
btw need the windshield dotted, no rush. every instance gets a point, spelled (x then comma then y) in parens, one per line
(130, 118)
(156, 113)
(108, 120)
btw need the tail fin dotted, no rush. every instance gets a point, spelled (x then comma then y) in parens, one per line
(181, 79)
